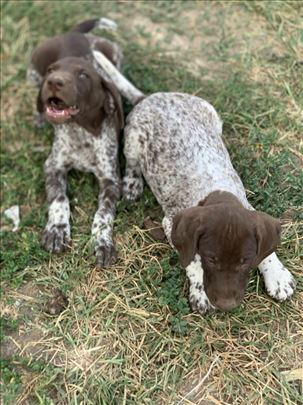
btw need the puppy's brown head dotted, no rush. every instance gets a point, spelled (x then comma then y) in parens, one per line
(73, 90)
(230, 241)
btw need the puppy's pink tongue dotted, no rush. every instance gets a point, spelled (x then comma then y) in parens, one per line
(57, 116)
(53, 112)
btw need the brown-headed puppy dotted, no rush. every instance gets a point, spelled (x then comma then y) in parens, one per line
(84, 106)
(174, 141)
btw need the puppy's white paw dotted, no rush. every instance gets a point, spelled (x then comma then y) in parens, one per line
(198, 299)
(56, 237)
(106, 255)
(279, 282)
(280, 285)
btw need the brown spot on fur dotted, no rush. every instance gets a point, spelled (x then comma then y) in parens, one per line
(60, 198)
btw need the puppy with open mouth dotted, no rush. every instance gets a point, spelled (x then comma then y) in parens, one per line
(58, 84)
(85, 109)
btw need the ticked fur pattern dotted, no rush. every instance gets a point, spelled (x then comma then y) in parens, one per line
(74, 147)
(179, 177)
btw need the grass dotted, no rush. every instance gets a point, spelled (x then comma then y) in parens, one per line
(128, 335)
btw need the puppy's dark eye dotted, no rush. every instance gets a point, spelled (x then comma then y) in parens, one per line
(83, 76)
(50, 69)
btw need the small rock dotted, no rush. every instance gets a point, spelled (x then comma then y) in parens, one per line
(57, 304)
(13, 213)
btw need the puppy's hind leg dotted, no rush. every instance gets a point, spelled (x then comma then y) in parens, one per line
(132, 184)
(125, 87)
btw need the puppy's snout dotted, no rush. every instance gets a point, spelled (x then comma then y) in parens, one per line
(55, 82)
(226, 304)
(226, 301)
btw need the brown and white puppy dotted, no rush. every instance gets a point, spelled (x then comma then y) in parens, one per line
(85, 110)
(174, 141)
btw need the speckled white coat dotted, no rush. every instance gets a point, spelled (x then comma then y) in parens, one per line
(174, 140)
(74, 147)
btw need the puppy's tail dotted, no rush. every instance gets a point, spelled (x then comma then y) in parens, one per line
(89, 25)
(125, 87)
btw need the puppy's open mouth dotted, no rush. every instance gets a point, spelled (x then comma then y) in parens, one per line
(57, 111)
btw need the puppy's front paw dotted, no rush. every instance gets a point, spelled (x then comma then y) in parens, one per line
(106, 255)
(132, 188)
(280, 285)
(56, 238)
(199, 301)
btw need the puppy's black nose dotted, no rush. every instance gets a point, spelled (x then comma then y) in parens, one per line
(55, 82)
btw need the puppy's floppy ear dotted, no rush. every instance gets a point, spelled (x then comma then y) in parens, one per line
(187, 229)
(268, 232)
(112, 101)
(39, 103)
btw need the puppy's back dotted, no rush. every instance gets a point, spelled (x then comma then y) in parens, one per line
(176, 120)
(180, 106)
